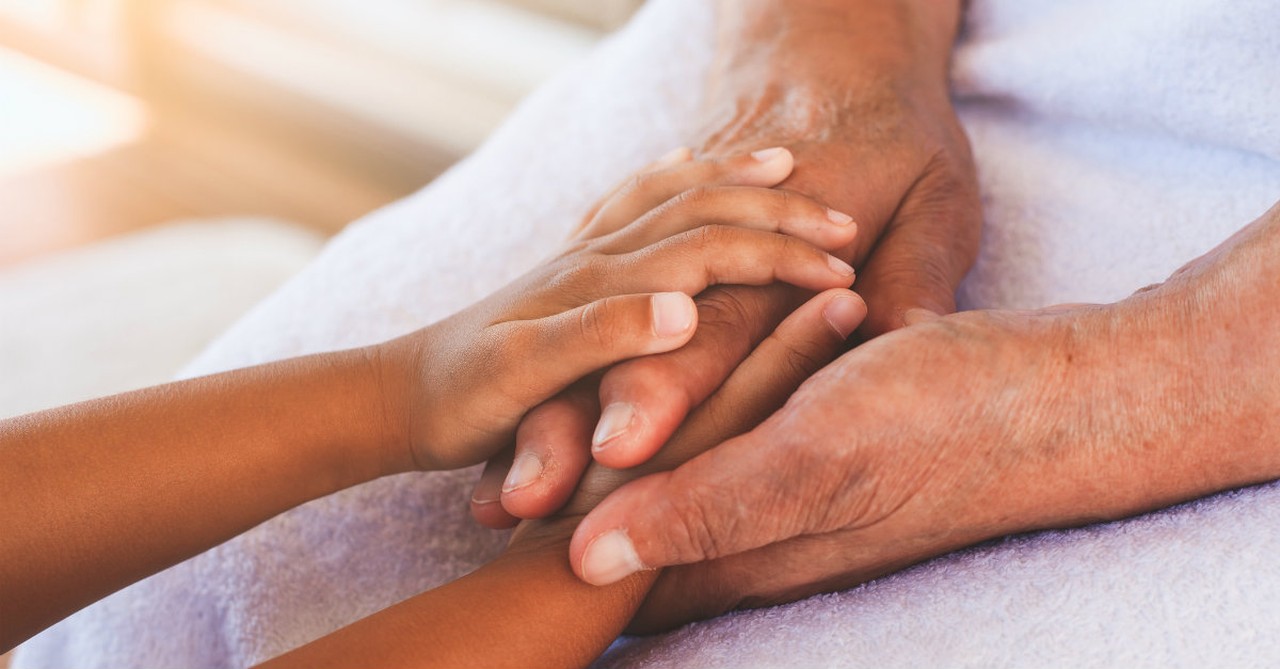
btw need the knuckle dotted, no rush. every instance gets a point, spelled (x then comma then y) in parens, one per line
(788, 250)
(786, 202)
(799, 247)
(639, 184)
(726, 310)
(800, 362)
(572, 276)
(671, 383)
(567, 270)
(585, 276)
(708, 239)
(858, 501)
(791, 205)
(695, 197)
(597, 328)
(692, 535)
(835, 492)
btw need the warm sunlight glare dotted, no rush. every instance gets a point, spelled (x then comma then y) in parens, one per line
(49, 116)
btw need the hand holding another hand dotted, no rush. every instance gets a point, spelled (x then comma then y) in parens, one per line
(622, 288)
(962, 429)
(858, 91)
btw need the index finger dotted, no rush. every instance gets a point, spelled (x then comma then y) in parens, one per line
(646, 190)
(732, 320)
(646, 399)
(683, 515)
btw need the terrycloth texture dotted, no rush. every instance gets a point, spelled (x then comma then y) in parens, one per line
(1114, 145)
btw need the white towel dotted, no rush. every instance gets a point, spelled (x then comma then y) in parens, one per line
(1114, 144)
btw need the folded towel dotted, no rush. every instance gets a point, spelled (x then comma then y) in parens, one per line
(1114, 143)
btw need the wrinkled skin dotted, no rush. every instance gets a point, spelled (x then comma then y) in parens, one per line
(885, 458)
(971, 427)
(874, 136)
(464, 384)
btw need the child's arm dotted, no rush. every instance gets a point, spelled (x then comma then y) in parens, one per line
(527, 608)
(100, 494)
(523, 610)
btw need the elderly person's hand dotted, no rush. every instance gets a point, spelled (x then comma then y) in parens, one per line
(858, 90)
(965, 428)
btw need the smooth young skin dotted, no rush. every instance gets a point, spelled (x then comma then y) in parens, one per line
(100, 494)
(858, 90)
(527, 608)
(965, 428)
(691, 186)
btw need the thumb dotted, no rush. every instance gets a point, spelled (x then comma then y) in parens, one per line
(730, 499)
(542, 357)
(921, 258)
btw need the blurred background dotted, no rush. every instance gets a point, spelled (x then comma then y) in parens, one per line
(164, 164)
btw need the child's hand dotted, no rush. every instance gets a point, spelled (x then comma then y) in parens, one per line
(808, 339)
(621, 289)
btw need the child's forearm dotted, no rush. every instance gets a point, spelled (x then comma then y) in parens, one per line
(101, 494)
(97, 495)
(525, 609)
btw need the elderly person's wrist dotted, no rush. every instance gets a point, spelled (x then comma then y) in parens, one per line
(830, 41)
(1169, 394)
(805, 71)
(1216, 317)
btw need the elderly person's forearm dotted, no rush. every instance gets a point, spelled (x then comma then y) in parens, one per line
(814, 41)
(965, 428)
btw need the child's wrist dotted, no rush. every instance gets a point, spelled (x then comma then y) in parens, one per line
(388, 368)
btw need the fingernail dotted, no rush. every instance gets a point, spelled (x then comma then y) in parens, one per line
(839, 266)
(766, 155)
(525, 470)
(673, 314)
(844, 315)
(919, 315)
(610, 558)
(614, 421)
(675, 157)
(838, 217)
(482, 502)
